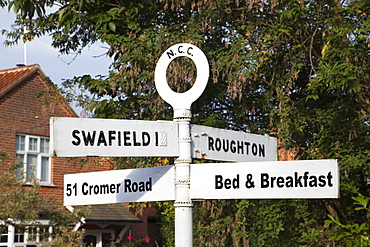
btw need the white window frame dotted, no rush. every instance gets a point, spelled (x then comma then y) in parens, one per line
(11, 233)
(99, 235)
(40, 154)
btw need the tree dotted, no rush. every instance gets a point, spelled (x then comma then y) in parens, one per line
(22, 205)
(294, 69)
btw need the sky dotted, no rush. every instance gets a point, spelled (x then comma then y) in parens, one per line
(54, 65)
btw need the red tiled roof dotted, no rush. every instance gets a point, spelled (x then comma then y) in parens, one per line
(10, 78)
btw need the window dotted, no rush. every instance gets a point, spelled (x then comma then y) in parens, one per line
(33, 152)
(3, 234)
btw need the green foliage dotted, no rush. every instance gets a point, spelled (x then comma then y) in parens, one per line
(166, 212)
(354, 233)
(22, 204)
(18, 202)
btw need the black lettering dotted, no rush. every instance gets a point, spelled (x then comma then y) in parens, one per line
(313, 181)
(111, 136)
(104, 189)
(145, 138)
(210, 143)
(119, 138)
(240, 147)
(112, 188)
(265, 180)
(289, 182)
(75, 135)
(261, 150)
(141, 187)
(232, 146)
(329, 177)
(84, 191)
(189, 53)
(218, 180)
(126, 138)
(135, 142)
(89, 139)
(272, 181)
(101, 139)
(218, 144)
(305, 177)
(170, 53)
(322, 181)
(225, 145)
(134, 186)
(148, 185)
(96, 189)
(127, 185)
(178, 49)
(254, 149)
(280, 182)
(227, 183)
(156, 138)
(247, 144)
(236, 182)
(297, 180)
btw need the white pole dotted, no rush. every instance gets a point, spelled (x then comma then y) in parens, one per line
(181, 103)
(24, 48)
(11, 233)
(183, 204)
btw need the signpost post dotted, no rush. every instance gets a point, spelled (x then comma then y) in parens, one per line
(181, 103)
(184, 182)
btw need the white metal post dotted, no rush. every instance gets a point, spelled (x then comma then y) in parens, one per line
(11, 233)
(181, 103)
(183, 204)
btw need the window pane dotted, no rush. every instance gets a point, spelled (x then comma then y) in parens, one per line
(20, 142)
(3, 234)
(31, 165)
(45, 169)
(20, 167)
(44, 145)
(33, 144)
(106, 239)
(43, 233)
(19, 234)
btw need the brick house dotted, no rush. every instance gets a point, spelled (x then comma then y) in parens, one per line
(24, 136)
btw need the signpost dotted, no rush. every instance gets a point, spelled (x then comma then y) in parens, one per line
(184, 182)
(118, 186)
(181, 103)
(265, 180)
(227, 145)
(76, 137)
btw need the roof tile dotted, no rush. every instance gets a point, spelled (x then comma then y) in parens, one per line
(10, 78)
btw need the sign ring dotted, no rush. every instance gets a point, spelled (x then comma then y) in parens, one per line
(185, 99)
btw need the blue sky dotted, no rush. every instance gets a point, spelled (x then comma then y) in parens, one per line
(53, 64)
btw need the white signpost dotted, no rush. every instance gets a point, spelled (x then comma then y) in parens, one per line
(71, 137)
(76, 137)
(117, 186)
(265, 180)
(227, 145)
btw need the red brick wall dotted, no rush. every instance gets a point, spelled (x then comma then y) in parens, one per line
(22, 111)
(147, 227)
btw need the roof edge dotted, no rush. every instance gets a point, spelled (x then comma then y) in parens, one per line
(32, 70)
